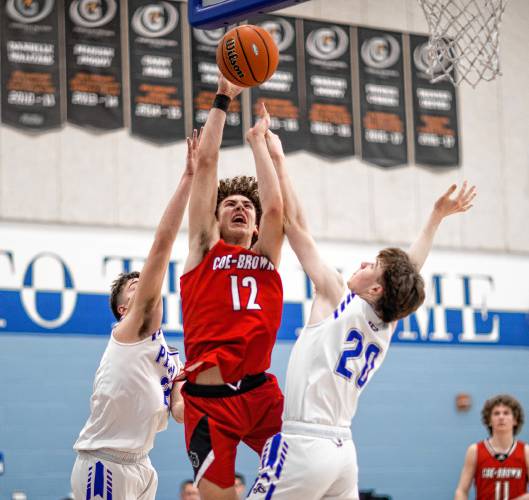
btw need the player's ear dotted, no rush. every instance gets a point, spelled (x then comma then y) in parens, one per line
(121, 310)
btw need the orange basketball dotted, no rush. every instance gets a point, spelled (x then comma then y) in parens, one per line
(247, 55)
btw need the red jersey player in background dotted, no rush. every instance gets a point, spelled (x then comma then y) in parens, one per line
(232, 303)
(499, 466)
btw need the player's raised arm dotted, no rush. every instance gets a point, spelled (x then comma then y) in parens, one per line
(467, 474)
(446, 205)
(202, 227)
(145, 311)
(327, 281)
(270, 237)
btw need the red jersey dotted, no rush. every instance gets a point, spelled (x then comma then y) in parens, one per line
(232, 304)
(500, 480)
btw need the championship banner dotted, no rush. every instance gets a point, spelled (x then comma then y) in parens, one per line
(328, 89)
(30, 64)
(382, 97)
(156, 79)
(93, 63)
(54, 283)
(434, 111)
(281, 93)
(205, 80)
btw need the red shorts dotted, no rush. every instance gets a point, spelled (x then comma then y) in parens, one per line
(217, 418)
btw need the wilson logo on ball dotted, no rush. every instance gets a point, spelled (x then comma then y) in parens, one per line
(233, 56)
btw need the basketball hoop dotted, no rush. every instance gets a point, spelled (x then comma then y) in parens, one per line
(464, 39)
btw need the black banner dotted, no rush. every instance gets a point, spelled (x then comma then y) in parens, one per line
(434, 112)
(281, 93)
(328, 88)
(382, 97)
(156, 76)
(205, 80)
(30, 64)
(93, 63)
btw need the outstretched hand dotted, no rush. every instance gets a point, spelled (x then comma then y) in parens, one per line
(192, 151)
(261, 126)
(446, 205)
(275, 148)
(225, 87)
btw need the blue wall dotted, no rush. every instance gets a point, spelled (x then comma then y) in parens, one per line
(410, 440)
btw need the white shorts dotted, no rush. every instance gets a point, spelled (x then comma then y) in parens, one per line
(308, 462)
(93, 476)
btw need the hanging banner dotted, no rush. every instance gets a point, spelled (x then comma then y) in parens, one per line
(434, 112)
(156, 77)
(328, 88)
(205, 80)
(93, 63)
(30, 64)
(281, 93)
(382, 97)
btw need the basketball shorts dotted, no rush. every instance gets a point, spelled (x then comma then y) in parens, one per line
(218, 418)
(306, 461)
(95, 477)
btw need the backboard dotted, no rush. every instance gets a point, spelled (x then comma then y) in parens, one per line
(210, 14)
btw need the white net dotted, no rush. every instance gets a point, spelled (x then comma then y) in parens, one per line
(464, 39)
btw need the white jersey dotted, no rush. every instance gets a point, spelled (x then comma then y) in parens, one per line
(131, 397)
(332, 362)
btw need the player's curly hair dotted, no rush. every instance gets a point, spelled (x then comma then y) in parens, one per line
(244, 185)
(402, 283)
(506, 400)
(117, 288)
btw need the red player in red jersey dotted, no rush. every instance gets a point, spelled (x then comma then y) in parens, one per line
(232, 302)
(499, 466)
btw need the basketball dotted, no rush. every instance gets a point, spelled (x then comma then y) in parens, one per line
(247, 55)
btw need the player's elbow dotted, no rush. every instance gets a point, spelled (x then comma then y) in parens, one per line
(461, 493)
(206, 160)
(274, 211)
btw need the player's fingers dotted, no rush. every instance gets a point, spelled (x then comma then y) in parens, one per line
(462, 190)
(472, 195)
(450, 190)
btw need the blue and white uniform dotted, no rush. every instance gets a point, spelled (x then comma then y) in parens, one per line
(129, 405)
(331, 363)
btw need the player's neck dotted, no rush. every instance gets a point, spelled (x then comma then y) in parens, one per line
(502, 441)
(241, 241)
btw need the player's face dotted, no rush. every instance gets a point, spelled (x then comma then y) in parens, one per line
(367, 278)
(502, 419)
(240, 489)
(190, 493)
(237, 217)
(128, 294)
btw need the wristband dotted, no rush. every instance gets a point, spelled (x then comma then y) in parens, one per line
(222, 102)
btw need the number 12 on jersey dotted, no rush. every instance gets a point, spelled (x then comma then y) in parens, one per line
(247, 282)
(354, 348)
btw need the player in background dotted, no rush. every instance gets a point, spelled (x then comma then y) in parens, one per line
(240, 486)
(343, 343)
(499, 465)
(133, 387)
(232, 301)
(188, 491)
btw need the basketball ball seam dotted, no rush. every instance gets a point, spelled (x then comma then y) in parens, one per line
(267, 54)
(227, 66)
(247, 62)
